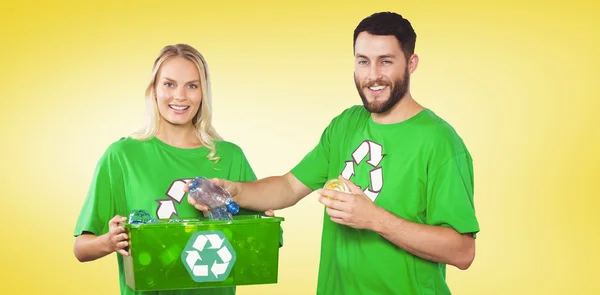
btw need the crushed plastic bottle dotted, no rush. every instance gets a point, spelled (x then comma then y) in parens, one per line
(140, 216)
(217, 199)
(336, 185)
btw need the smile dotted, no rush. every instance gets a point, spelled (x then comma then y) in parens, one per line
(178, 107)
(377, 88)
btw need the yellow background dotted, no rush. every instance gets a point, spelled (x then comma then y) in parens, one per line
(516, 80)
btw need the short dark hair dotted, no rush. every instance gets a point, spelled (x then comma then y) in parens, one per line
(389, 23)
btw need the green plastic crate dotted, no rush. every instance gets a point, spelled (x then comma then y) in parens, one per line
(201, 253)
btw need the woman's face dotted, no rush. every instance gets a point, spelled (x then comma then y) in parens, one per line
(178, 93)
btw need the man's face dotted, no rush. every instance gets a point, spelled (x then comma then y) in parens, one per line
(380, 71)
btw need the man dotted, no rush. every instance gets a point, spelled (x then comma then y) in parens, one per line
(410, 211)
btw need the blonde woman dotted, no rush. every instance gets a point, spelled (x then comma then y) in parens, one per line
(148, 169)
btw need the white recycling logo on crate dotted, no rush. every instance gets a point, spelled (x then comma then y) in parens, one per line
(208, 256)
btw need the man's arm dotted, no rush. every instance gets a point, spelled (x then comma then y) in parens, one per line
(275, 192)
(270, 193)
(434, 243)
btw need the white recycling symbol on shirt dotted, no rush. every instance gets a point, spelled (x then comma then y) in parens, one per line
(166, 208)
(208, 256)
(375, 151)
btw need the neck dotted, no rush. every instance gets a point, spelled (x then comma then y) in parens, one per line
(178, 136)
(406, 108)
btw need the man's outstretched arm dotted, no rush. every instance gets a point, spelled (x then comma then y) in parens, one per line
(275, 192)
(270, 193)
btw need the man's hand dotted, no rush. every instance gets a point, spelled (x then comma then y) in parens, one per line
(355, 209)
(230, 187)
(435, 243)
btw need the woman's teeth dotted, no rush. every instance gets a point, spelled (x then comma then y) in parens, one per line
(179, 108)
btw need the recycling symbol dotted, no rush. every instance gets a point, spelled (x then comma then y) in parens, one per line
(375, 152)
(166, 208)
(208, 256)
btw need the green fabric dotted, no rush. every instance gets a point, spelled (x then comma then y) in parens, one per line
(136, 174)
(425, 176)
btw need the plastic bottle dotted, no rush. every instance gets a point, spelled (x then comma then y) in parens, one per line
(140, 217)
(219, 202)
(336, 185)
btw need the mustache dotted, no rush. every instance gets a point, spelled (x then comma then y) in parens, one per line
(378, 82)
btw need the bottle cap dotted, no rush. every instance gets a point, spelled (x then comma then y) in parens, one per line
(233, 208)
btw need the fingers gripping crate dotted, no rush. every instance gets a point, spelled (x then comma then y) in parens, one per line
(194, 253)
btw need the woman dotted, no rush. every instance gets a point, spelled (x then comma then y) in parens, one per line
(148, 169)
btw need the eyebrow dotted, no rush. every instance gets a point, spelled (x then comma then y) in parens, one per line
(171, 80)
(381, 56)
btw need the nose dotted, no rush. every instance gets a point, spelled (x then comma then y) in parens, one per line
(179, 93)
(374, 72)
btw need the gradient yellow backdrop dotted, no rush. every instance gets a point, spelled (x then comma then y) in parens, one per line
(516, 80)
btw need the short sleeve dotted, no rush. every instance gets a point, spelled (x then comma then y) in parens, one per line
(450, 200)
(246, 172)
(313, 169)
(100, 203)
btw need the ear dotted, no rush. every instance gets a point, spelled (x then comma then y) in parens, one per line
(412, 64)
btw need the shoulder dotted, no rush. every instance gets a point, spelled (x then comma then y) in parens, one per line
(123, 148)
(440, 130)
(116, 152)
(230, 154)
(125, 145)
(227, 148)
(354, 115)
(444, 141)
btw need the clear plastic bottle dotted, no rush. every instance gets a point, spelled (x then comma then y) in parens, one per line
(218, 200)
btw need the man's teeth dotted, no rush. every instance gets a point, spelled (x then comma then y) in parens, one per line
(179, 108)
(376, 88)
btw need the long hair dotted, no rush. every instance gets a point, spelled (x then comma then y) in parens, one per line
(203, 120)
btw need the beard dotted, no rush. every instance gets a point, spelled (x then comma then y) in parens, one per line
(398, 90)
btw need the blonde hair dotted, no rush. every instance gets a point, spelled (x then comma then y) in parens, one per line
(203, 119)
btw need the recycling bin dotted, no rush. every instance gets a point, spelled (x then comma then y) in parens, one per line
(202, 253)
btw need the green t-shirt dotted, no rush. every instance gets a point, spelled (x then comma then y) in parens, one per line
(419, 170)
(149, 175)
